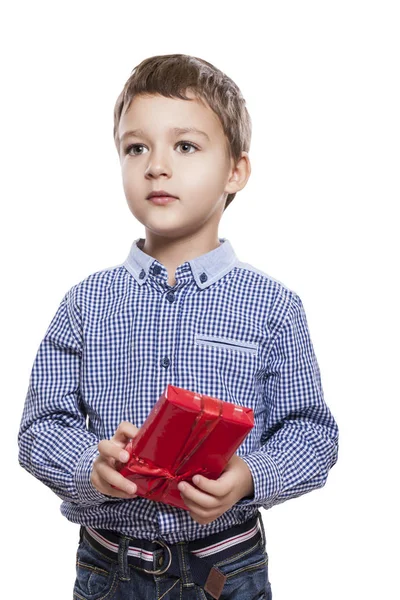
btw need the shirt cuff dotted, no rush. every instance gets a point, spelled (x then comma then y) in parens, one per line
(87, 493)
(266, 480)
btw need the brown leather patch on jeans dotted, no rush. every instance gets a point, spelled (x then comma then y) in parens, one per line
(215, 583)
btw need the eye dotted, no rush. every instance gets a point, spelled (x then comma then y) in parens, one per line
(135, 146)
(187, 144)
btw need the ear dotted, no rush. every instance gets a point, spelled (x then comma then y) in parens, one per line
(239, 175)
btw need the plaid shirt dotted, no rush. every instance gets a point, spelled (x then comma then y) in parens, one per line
(225, 329)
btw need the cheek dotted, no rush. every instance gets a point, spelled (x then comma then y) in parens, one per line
(134, 187)
(208, 174)
(129, 175)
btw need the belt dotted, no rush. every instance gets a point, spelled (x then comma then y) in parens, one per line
(203, 553)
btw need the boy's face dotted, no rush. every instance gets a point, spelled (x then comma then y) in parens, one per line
(200, 176)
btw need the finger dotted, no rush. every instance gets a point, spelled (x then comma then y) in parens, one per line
(205, 520)
(204, 516)
(105, 488)
(113, 492)
(108, 490)
(216, 487)
(108, 449)
(196, 497)
(124, 433)
(109, 477)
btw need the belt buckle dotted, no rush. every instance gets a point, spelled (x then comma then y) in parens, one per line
(158, 571)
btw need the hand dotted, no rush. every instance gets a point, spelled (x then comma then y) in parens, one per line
(104, 473)
(217, 496)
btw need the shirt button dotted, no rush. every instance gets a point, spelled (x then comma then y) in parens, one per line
(171, 297)
(157, 270)
(142, 274)
(165, 361)
(203, 277)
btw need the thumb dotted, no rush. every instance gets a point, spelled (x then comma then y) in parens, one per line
(230, 468)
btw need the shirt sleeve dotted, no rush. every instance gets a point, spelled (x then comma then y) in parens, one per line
(300, 434)
(54, 443)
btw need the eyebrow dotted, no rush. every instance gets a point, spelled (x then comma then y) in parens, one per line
(176, 130)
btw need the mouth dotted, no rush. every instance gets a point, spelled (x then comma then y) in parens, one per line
(160, 194)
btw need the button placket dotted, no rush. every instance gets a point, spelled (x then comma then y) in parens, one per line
(170, 296)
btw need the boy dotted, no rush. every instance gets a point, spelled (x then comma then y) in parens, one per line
(181, 309)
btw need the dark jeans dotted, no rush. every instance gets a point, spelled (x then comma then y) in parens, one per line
(101, 578)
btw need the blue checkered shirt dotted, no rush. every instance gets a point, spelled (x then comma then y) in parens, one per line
(225, 329)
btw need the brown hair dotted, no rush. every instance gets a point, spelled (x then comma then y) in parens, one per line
(171, 75)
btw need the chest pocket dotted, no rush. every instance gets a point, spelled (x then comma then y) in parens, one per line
(226, 368)
(226, 343)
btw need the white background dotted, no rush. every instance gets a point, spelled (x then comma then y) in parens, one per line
(321, 80)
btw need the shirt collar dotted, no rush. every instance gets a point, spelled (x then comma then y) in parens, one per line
(206, 268)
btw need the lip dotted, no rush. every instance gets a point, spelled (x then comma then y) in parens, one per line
(161, 193)
(162, 199)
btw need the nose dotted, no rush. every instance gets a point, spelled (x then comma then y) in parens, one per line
(158, 165)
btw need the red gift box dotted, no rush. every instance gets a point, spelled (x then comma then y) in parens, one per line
(185, 433)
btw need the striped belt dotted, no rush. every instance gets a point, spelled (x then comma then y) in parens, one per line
(156, 557)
